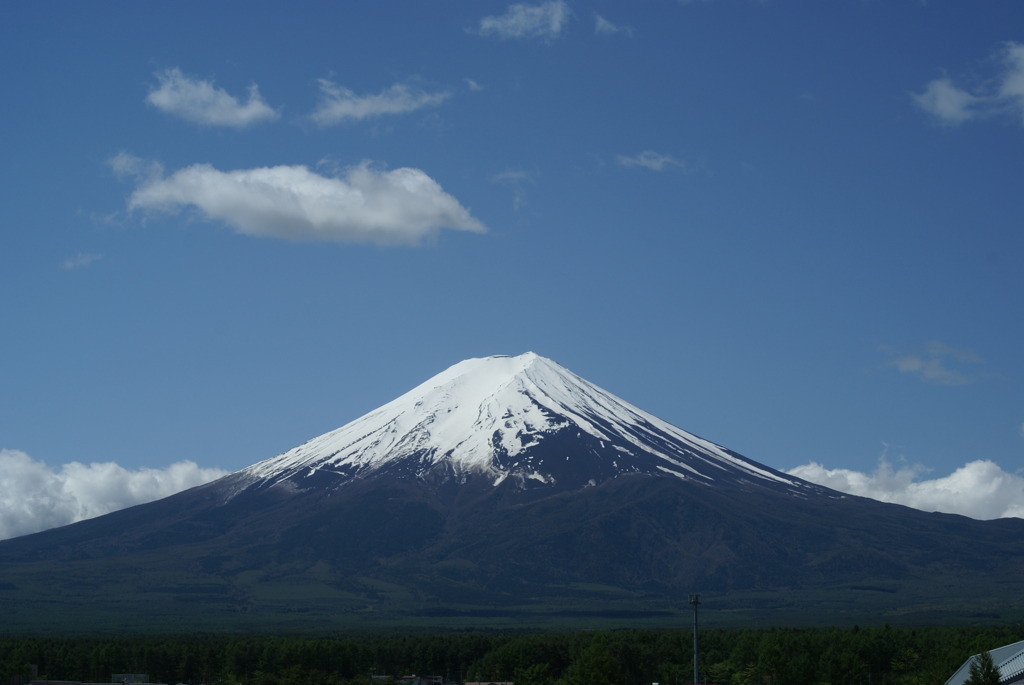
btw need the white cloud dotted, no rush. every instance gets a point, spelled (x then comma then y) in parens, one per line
(941, 364)
(952, 104)
(338, 104)
(603, 27)
(546, 20)
(648, 159)
(979, 489)
(34, 497)
(80, 260)
(362, 205)
(201, 103)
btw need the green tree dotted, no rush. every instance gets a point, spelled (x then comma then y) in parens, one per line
(537, 674)
(983, 671)
(595, 665)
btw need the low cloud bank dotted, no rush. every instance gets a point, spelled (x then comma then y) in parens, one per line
(979, 489)
(35, 497)
(362, 205)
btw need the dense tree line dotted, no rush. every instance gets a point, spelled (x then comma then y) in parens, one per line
(835, 656)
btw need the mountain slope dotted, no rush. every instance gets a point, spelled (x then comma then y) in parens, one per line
(509, 491)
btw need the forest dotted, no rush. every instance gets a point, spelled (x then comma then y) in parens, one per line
(880, 655)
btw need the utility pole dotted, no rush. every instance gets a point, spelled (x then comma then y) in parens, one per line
(695, 600)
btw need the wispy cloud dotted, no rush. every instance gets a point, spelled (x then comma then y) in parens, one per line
(126, 165)
(952, 104)
(517, 180)
(80, 260)
(360, 205)
(546, 21)
(940, 364)
(946, 102)
(339, 104)
(34, 496)
(648, 159)
(979, 489)
(604, 27)
(201, 102)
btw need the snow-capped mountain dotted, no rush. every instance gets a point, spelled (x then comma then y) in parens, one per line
(507, 491)
(522, 418)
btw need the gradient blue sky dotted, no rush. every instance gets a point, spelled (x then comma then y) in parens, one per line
(790, 227)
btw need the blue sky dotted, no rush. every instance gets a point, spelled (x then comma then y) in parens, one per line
(792, 228)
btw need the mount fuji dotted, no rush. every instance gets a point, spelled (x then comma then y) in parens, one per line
(507, 491)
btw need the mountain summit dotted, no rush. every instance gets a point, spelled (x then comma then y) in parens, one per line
(523, 418)
(508, 491)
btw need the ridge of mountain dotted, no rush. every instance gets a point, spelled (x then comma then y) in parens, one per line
(508, 492)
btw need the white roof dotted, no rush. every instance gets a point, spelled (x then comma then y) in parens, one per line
(1009, 660)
